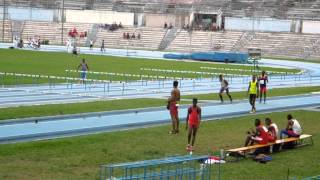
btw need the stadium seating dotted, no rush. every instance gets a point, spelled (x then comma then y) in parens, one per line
(278, 44)
(5, 35)
(150, 38)
(52, 31)
(272, 44)
(205, 41)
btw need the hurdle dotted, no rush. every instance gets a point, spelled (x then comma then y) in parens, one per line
(123, 75)
(177, 167)
(249, 70)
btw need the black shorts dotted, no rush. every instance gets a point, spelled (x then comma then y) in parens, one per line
(253, 96)
(222, 89)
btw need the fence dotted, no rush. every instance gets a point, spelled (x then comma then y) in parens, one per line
(178, 167)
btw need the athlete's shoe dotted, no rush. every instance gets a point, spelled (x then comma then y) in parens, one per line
(188, 147)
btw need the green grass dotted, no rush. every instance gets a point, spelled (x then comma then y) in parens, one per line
(80, 157)
(270, 93)
(53, 63)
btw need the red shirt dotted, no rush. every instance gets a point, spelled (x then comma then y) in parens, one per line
(263, 134)
(194, 115)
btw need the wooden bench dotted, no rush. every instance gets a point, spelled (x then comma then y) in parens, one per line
(304, 139)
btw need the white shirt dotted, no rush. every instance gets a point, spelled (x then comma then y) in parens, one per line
(296, 127)
(275, 128)
(223, 84)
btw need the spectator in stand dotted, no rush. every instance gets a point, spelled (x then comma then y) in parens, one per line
(139, 36)
(20, 44)
(124, 35)
(165, 25)
(120, 25)
(128, 36)
(68, 44)
(15, 41)
(102, 49)
(91, 44)
(39, 43)
(170, 26)
(29, 43)
(85, 33)
(133, 36)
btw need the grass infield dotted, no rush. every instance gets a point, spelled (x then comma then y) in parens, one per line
(79, 157)
(54, 63)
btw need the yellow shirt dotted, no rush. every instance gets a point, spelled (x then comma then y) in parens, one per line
(253, 87)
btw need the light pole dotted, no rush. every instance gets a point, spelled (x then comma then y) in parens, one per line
(62, 22)
(3, 18)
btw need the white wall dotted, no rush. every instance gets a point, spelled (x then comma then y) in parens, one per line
(101, 17)
(266, 24)
(25, 13)
(311, 27)
(158, 20)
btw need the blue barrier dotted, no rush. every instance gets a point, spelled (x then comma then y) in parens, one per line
(176, 56)
(212, 56)
(178, 167)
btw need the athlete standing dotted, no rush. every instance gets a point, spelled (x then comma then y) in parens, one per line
(173, 108)
(192, 123)
(253, 91)
(263, 80)
(224, 87)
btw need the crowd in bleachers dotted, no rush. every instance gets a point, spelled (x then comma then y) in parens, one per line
(132, 36)
(111, 27)
(34, 43)
(74, 33)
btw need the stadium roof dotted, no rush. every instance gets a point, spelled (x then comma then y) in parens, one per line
(283, 9)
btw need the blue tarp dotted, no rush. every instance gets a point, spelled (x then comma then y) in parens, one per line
(212, 56)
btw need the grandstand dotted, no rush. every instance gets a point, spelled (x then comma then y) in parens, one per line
(295, 40)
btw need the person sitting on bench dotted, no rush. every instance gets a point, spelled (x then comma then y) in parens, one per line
(272, 130)
(293, 128)
(259, 136)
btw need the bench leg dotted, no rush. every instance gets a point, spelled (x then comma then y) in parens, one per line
(311, 140)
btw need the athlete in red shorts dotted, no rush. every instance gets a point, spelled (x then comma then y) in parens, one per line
(173, 108)
(263, 80)
(192, 123)
(259, 136)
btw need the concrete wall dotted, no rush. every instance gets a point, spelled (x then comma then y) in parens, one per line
(158, 20)
(34, 14)
(266, 24)
(101, 17)
(311, 27)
